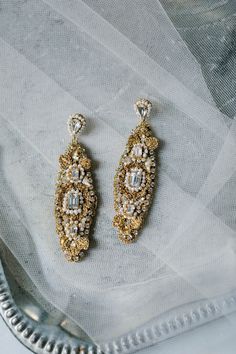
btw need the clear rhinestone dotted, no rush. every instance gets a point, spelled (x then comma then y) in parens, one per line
(143, 111)
(75, 173)
(77, 127)
(74, 230)
(137, 150)
(73, 201)
(75, 123)
(135, 178)
(130, 209)
(143, 108)
(75, 156)
(86, 181)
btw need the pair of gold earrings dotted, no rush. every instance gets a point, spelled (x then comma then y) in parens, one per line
(75, 198)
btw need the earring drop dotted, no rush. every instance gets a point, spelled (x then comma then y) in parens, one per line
(75, 199)
(134, 180)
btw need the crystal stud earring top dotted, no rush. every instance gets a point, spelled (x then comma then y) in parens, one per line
(75, 199)
(135, 176)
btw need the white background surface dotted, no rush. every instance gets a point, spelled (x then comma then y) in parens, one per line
(45, 75)
(217, 337)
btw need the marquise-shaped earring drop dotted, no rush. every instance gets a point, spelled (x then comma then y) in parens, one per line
(134, 180)
(75, 199)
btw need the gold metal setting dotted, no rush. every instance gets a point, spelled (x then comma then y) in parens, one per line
(135, 177)
(75, 199)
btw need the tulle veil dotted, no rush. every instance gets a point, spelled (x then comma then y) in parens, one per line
(96, 58)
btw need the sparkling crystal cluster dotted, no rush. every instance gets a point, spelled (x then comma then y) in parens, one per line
(75, 200)
(134, 180)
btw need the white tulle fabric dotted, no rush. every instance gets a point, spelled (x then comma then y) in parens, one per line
(96, 58)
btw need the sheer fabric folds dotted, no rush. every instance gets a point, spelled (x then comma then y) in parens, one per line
(94, 58)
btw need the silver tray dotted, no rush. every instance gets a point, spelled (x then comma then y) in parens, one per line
(31, 324)
(54, 333)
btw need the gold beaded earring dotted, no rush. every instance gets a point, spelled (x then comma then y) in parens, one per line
(134, 180)
(75, 199)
